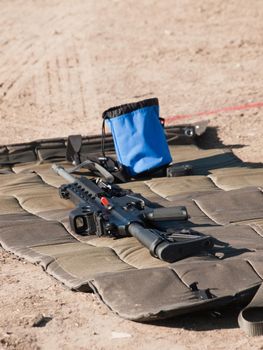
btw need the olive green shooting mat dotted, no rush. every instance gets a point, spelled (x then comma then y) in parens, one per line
(224, 198)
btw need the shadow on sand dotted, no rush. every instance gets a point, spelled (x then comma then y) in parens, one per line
(210, 139)
(204, 321)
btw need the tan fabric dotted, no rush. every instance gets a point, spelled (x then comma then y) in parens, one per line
(5, 169)
(42, 200)
(34, 224)
(30, 255)
(20, 154)
(242, 168)
(180, 185)
(235, 239)
(143, 189)
(231, 276)
(161, 294)
(27, 167)
(43, 170)
(154, 296)
(256, 262)
(130, 251)
(9, 205)
(238, 178)
(25, 230)
(232, 206)
(204, 161)
(257, 225)
(81, 262)
(183, 153)
(11, 183)
(196, 215)
(55, 153)
(60, 215)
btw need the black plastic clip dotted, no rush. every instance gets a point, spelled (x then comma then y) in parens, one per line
(175, 170)
(74, 143)
(202, 294)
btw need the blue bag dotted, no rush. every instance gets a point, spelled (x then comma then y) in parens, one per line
(138, 136)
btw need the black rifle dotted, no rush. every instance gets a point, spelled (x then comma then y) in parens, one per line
(106, 209)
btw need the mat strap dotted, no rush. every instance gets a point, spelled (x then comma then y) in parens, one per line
(250, 319)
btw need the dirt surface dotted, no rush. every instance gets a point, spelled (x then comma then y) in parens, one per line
(62, 64)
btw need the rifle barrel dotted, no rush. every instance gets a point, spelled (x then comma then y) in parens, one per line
(59, 170)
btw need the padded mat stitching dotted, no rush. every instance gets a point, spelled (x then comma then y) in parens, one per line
(212, 182)
(100, 296)
(90, 243)
(16, 199)
(63, 268)
(125, 260)
(87, 243)
(41, 178)
(148, 188)
(210, 176)
(19, 204)
(203, 211)
(154, 192)
(39, 216)
(253, 268)
(115, 252)
(39, 255)
(242, 204)
(52, 258)
(48, 244)
(30, 212)
(257, 229)
(237, 178)
(43, 181)
(117, 255)
(214, 187)
(24, 209)
(70, 273)
(36, 214)
(176, 274)
(68, 279)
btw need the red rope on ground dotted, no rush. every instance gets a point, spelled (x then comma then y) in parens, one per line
(216, 111)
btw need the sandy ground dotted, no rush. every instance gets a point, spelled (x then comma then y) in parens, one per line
(62, 63)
